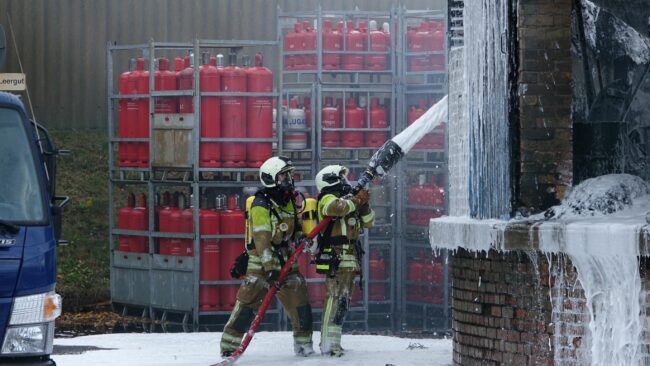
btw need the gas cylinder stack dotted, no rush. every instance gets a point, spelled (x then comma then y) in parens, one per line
(343, 63)
(423, 70)
(190, 130)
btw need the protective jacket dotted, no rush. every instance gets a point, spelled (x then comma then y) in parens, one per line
(272, 227)
(346, 227)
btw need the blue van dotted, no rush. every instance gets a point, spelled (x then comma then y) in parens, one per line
(30, 228)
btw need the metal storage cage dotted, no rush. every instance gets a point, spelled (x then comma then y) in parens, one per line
(423, 286)
(168, 286)
(398, 266)
(331, 79)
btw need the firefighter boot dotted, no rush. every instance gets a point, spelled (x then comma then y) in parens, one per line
(303, 349)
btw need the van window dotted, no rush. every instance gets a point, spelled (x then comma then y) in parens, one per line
(21, 199)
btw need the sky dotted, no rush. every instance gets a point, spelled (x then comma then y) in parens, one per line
(267, 348)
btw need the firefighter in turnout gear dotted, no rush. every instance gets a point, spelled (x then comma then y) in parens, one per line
(340, 252)
(275, 226)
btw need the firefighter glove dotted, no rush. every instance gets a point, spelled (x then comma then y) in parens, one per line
(361, 198)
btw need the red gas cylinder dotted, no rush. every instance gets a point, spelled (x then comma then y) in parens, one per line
(353, 119)
(209, 268)
(331, 118)
(437, 276)
(179, 64)
(377, 291)
(332, 41)
(354, 41)
(378, 119)
(414, 275)
(260, 113)
(293, 43)
(128, 116)
(379, 42)
(306, 105)
(437, 43)
(419, 42)
(308, 44)
(174, 225)
(232, 222)
(124, 223)
(416, 196)
(164, 225)
(140, 221)
(210, 81)
(186, 246)
(186, 82)
(142, 125)
(233, 114)
(165, 80)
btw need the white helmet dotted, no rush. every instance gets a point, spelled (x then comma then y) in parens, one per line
(272, 167)
(330, 176)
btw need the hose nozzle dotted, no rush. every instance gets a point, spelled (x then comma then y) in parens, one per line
(381, 162)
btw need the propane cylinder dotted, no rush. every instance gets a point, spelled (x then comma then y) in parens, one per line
(209, 260)
(306, 105)
(140, 221)
(293, 43)
(377, 291)
(378, 119)
(186, 246)
(128, 116)
(142, 126)
(437, 275)
(332, 41)
(421, 42)
(414, 276)
(331, 118)
(416, 196)
(414, 113)
(437, 29)
(379, 42)
(354, 41)
(165, 80)
(438, 199)
(260, 113)
(174, 224)
(353, 119)
(296, 119)
(124, 223)
(232, 221)
(186, 82)
(308, 44)
(164, 224)
(233, 114)
(210, 81)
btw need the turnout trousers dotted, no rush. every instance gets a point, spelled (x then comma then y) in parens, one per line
(292, 295)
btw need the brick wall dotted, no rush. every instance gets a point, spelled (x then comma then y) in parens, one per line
(517, 308)
(545, 135)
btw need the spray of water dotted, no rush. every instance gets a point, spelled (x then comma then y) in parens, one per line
(423, 125)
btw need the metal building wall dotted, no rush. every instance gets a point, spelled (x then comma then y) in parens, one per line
(62, 43)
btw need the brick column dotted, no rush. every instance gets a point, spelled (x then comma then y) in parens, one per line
(544, 57)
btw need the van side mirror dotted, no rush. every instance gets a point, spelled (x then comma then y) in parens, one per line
(57, 214)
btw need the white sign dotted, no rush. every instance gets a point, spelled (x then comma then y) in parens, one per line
(12, 82)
